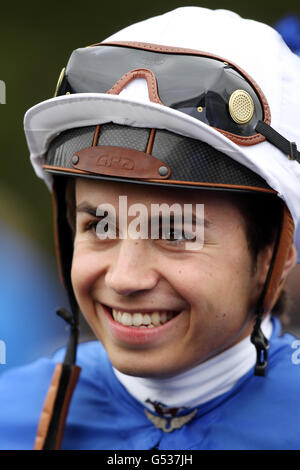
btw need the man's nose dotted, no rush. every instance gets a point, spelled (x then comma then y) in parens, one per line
(132, 270)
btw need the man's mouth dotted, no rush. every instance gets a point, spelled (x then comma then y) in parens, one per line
(142, 319)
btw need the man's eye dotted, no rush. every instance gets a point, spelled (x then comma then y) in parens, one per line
(91, 225)
(167, 233)
(100, 228)
(176, 236)
(173, 235)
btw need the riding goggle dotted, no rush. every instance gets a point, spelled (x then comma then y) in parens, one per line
(205, 87)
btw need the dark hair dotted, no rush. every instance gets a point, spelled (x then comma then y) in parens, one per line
(71, 204)
(262, 218)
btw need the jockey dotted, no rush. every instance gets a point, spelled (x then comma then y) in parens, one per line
(191, 116)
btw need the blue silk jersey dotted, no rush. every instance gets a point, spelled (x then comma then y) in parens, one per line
(257, 413)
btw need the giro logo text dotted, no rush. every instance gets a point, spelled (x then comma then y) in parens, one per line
(2, 92)
(296, 354)
(2, 352)
(115, 162)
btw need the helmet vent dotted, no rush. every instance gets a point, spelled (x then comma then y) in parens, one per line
(241, 106)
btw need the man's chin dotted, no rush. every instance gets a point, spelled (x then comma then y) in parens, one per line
(146, 369)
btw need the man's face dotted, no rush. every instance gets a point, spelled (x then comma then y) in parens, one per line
(192, 304)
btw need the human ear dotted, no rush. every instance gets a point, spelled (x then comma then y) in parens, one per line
(274, 287)
(290, 262)
(264, 261)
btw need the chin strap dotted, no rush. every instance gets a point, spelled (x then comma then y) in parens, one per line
(284, 237)
(272, 287)
(53, 417)
(263, 306)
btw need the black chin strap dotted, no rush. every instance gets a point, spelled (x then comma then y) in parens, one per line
(261, 345)
(72, 321)
(67, 381)
(257, 337)
(287, 147)
(53, 417)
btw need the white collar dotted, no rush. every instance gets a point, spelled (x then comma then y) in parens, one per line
(201, 383)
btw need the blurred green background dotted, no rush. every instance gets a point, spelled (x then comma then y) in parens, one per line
(36, 40)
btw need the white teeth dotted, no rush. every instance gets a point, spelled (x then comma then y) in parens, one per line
(146, 319)
(163, 317)
(127, 319)
(142, 320)
(155, 318)
(137, 319)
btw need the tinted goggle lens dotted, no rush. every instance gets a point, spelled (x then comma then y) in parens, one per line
(210, 90)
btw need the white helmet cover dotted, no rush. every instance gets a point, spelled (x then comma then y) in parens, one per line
(255, 47)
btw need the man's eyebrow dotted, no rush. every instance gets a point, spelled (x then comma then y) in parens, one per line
(207, 224)
(194, 219)
(87, 208)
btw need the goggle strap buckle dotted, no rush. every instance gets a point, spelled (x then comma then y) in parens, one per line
(261, 345)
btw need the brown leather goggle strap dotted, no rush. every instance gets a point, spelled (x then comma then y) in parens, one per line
(96, 135)
(276, 282)
(147, 74)
(150, 141)
(149, 144)
(53, 417)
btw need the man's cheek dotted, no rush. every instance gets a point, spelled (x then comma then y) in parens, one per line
(81, 274)
(88, 267)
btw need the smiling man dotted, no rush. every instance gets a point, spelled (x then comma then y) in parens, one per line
(122, 283)
(182, 285)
